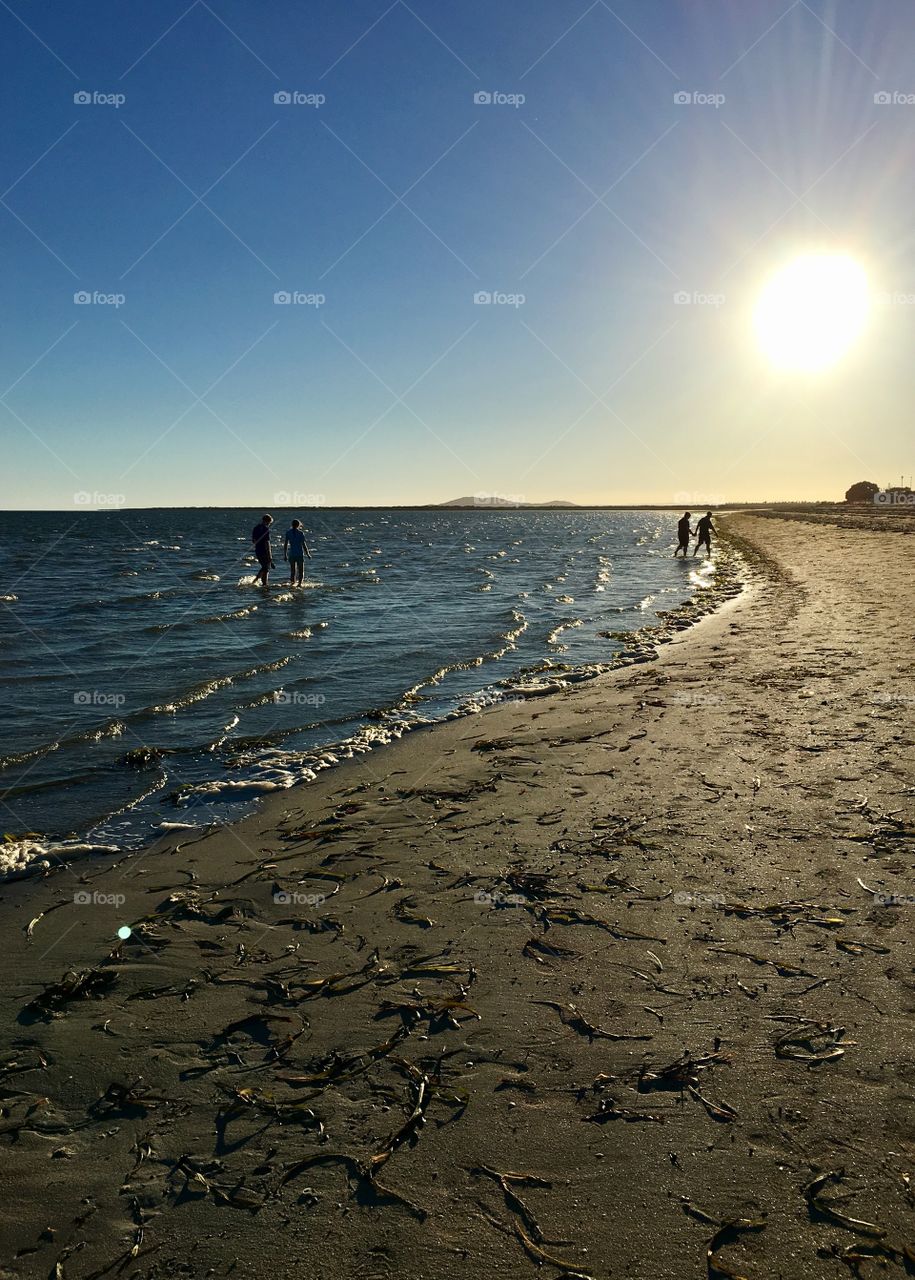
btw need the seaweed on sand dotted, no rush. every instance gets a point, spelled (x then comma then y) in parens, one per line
(74, 985)
(812, 1042)
(819, 1207)
(571, 1016)
(684, 1076)
(524, 1225)
(440, 1015)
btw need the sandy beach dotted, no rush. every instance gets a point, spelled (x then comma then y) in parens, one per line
(613, 982)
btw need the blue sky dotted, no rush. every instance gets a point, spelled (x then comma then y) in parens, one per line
(400, 198)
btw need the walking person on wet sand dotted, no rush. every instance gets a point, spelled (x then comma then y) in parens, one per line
(260, 536)
(683, 532)
(295, 549)
(704, 531)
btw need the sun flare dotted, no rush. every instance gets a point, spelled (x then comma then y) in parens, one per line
(812, 311)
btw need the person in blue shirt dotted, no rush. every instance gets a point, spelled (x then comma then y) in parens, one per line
(295, 549)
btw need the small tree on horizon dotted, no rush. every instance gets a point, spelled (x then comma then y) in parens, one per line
(863, 491)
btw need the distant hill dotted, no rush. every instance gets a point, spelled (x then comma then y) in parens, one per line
(490, 500)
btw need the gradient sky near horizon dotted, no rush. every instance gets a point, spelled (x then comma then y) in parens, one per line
(600, 200)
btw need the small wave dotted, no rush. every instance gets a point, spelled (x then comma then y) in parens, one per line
(202, 576)
(9, 599)
(567, 624)
(228, 617)
(205, 690)
(30, 856)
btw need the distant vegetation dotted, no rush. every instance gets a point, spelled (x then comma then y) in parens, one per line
(863, 491)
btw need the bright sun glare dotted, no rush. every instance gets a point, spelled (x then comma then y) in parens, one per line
(812, 311)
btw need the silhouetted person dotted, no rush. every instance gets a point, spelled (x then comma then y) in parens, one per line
(260, 536)
(704, 531)
(295, 549)
(683, 532)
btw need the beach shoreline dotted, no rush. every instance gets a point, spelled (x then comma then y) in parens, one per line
(30, 855)
(426, 1016)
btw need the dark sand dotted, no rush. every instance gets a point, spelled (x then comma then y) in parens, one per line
(413, 1079)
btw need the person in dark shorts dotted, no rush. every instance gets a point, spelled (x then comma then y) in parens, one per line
(295, 549)
(683, 532)
(260, 536)
(704, 531)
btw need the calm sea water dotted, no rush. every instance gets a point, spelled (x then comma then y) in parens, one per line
(146, 681)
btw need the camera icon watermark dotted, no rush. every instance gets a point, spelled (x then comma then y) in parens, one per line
(894, 98)
(85, 499)
(295, 298)
(291, 898)
(93, 98)
(298, 699)
(98, 698)
(296, 98)
(489, 298)
(689, 98)
(684, 299)
(494, 98)
(83, 898)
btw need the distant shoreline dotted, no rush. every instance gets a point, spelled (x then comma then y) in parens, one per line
(781, 505)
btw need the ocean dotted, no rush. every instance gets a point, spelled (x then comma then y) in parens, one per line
(148, 684)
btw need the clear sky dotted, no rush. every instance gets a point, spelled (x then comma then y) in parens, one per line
(585, 209)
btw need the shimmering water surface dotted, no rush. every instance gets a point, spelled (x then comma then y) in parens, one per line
(146, 681)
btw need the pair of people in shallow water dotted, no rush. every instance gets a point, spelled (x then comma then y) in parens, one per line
(703, 533)
(295, 549)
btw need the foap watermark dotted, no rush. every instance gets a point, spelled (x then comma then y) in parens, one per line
(498, 499)
(689, 699)
(495, 98)
(292, 898)
(694, 98)
(94, 98)
(894, 899)
(98, 698)
(298, 499)
(297, 98)
(83, 898)
(893, 699)
(698, 498)
(298, 699)
(95, 298)
(95, 499)
(898, 299)
(496, 899)
(695, 299)
(894, 98)
(296, 298)
(894, 498)
(684, 899)
(488, 298)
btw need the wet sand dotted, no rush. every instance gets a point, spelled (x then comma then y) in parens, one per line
(598, 984)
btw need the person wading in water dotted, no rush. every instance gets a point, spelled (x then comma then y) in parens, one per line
(260, 536)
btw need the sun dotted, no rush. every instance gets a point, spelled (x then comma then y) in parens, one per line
(812, 311)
